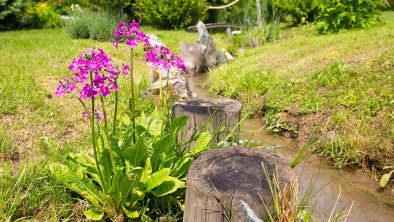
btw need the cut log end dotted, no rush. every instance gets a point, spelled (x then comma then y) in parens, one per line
(220, 180)
(219, 116)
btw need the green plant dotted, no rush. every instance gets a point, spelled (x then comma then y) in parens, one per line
(41, 15)
(302, 11)
(283, 204)
(93, 25)
(135, 161)
(28, 192)
(384, 180)
(11, 12)
(174, 14)
(336, 15)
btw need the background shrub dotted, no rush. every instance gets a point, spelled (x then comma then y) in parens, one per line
(335, 15)
(174, 13)
(78, 24)
(301, 11)
(11, 12)
(40, 15)
(93, 25)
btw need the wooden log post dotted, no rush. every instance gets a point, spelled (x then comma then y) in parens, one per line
(228, 184)
(219, 116)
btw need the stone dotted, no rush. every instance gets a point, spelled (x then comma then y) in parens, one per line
(221, 58)
(229, 34)
(177, 82)
(194, 59)
(206, 39)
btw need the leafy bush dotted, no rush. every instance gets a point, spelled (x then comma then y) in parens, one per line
(174, 13)
(94, 25)
(78, 26)
(302, 11)
(41, 15)
(335, 15)
(11, 12)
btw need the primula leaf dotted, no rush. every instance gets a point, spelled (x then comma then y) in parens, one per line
(152, 123)
(93, 214)
(135, 196)
(181, 167)
(84, 187)
(201, 143)
(87, 163)
(159, 150)
(178, 123)
(130, 181)
(136, 154)
(106, 168)
(170, 185)
(157, 178)
(384, 180)
(129, 213)
(146, 174)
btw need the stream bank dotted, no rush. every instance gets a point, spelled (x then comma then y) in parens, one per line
(356, 189)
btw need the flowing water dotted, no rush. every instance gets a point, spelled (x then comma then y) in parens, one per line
(356, 191)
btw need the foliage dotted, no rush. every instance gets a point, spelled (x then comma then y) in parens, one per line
(244, 15)
(337, 86)
(40, 15)
(11, 12)
(174, 14)
(28, 192)
(137, 162)
(152, 168)
(302, 11)
(283, 202)
(385, 178)
(336, 15)
(93, 25)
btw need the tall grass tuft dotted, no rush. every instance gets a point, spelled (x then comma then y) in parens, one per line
(94, 25)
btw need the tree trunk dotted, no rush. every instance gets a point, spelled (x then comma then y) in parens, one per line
(228, 184)
(259, 17)
(219, 116)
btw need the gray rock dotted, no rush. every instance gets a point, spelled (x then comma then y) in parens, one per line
(177, 82)
(229, 34)
(221, 58)
(205, 39)
(194, 58)
(228, 55)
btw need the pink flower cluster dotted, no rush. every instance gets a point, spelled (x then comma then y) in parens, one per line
(163, 58)
(131, 33)
(160, 56)
(104, 74)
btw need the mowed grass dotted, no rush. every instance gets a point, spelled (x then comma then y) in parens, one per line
(37, 127)
(338, 89)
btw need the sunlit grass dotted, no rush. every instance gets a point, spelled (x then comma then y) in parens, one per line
(338, 88)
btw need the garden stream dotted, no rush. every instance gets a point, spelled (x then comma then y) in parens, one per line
(357, 191)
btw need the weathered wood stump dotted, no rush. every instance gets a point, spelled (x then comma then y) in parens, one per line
(219, 116)
(221, 181)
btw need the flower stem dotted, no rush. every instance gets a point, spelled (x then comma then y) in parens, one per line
(94, 140)
(161, 95)
(84, 107)
(111, 155)
(132, 93)
(115, 113)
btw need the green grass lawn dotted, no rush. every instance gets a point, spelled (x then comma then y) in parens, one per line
(338, 86)
(338, 89)
(36, 127)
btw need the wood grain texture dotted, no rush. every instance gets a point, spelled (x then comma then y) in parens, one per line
(218, 116)
(219, 179)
